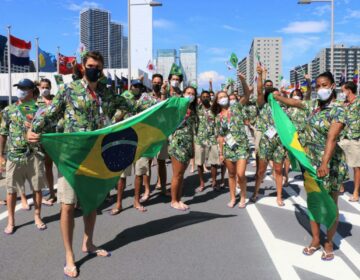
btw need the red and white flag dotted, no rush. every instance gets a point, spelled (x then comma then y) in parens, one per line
(19, 51)
(66, 64)
(150, 66)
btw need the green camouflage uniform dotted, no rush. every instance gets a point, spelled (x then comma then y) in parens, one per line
(205, 135)
(352, 120)
(80, 110)
(269, 149)
(181, 141)
(251, 111)
(233, 123)
(317, 129)
(13, 126)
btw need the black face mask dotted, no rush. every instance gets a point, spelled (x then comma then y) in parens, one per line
(92, 74)
(206, 102)
(156, 88)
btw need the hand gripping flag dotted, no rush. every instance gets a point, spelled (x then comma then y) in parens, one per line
(321, 207)
(93, 161)
(233, 60)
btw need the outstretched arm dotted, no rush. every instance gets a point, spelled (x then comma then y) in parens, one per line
(289, 101)
(260, 94)
(308, 87)
(244, 99)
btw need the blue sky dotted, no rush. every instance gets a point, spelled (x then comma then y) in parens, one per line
(217, 27)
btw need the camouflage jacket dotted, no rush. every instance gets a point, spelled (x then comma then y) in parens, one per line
(206, 132)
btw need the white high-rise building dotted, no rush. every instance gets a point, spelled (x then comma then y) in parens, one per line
(164, 61)
(141, 35)
(269, 50)
(188, 62)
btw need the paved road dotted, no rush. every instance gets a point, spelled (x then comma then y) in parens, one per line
(211, 241)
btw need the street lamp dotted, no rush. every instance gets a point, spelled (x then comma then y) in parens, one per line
(151, 4)
(332, 27)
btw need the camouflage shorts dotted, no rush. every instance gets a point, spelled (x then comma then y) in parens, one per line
(241, 151)
(182, 149)
(271, 149)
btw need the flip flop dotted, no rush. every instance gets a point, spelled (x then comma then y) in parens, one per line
(69, 271)
(11, 232)
(41, 226)
(115, 211)
(253, 199)
(98, 253)
(199, 189)
(231, 204)
(49, 201)
(327, 256)
(309, 251)
(144, 198)
(3, 202)
(28, 208)
(352, 199)
(242, 205)
(178, 209)
(141, 209)
(280, 204)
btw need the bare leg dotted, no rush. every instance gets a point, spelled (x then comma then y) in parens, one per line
(328, 246)
(162, 175)
(213, 176)
(137, 189)
(286, 171)
(67, 231)
(201, 178)
(37, 196)
(356, 183)
(119, 196)
(49, 176)
(240, 170)
(231, 167)
(24, 202)
(223, 171)
(278, 168)
(261, 168)
(176, 183)
(11, 202)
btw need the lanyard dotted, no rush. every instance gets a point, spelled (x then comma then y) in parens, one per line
(228, 116)
(94, 96)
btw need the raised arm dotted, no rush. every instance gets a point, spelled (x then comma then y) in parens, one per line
(291, 102)
(260, 94)
(307, 95)
(244, 99)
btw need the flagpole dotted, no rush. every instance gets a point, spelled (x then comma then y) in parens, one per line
(358, 80)
(109, 45)
(9, 64)
(37, 58)
(58, 60)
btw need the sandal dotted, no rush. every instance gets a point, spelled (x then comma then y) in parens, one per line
(70, 272)
(179, 208)
(352, 199)
(41, 226)
(9, 230)
(3, 202)
(115, 211)
(231, 204)
(242, 205)
(144, 198)
(199, 189)
(98, 253)
(327, 256)
(49, 201)
(140, 208)
(308, 251)
(253, 199)
(280, 203)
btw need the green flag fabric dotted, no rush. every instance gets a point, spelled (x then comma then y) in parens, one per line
(93, 161)
(321, 207)
(234, 60)
(175, 70)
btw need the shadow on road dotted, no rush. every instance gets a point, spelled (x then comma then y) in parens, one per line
(155, 227)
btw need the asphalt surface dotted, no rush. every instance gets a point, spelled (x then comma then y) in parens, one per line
(211, 241)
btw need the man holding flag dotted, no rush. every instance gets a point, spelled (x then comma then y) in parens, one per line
(86, 105)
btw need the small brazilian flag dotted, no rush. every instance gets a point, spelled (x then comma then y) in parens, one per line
(175, 70)
(234, 60)
(93, 161)
(321, 207)
(28, 109)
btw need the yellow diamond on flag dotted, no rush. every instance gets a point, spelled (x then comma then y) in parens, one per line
(42, 60)
(310, 183)
(296, 144)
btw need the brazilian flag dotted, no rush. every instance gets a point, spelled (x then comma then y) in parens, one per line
(93, 161)
(321, 207)
(234, 60)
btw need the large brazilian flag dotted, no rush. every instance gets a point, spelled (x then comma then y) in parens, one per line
(321, 207)
(93, 161)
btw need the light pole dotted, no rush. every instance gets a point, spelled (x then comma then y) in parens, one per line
(151, 4)
(332, 27)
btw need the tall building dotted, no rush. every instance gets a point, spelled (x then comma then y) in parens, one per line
(124, 52)
(244, 68)
(116, 44)
(94, 31)
(188, 57)
(269, 51)
(141, 34)
(346, 60)
(165, 58)
(297, 74)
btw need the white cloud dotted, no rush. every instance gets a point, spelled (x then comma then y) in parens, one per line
(305, 27)
(163, 23)
(217, 51)
(321, 10)
(85, 4)
(231, 28)
(204, 78)
(296, 47)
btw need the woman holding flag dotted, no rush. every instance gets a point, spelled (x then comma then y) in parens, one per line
(321, 134)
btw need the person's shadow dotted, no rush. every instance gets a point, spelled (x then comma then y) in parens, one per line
(153, 228)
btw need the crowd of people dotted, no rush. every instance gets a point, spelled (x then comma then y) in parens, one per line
(216, 134)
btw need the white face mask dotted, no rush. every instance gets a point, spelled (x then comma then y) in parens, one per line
(21, 94)
(232, 102)
(323, 94)
(224, 101)
(297, 97)
(341, 96)
(45, 92)
(174, 83)
(212, 98)
(190, 97)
